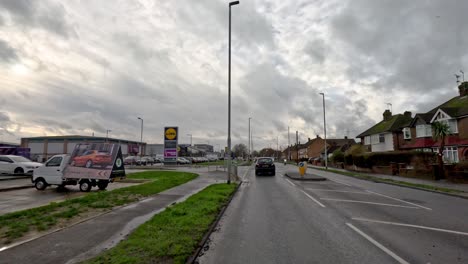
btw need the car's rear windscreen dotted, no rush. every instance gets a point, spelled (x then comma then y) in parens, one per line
(265, 161)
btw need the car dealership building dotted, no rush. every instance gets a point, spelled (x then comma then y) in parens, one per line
(42, 148)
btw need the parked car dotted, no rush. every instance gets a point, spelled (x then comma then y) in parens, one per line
(132, 160)
(265, 165)
(181, 160)
(12, 164)
(91, 158)
(150, 160)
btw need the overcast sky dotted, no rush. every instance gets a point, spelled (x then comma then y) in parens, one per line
(78, 67)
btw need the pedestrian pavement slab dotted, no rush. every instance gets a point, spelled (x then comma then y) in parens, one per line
(306, 177)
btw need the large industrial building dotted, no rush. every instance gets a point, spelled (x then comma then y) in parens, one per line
(43, 148)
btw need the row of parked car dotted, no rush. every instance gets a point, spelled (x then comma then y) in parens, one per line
(142, 161)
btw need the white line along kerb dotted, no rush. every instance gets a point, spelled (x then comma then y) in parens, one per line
(396, 199)
(409, 225)
(377, 244)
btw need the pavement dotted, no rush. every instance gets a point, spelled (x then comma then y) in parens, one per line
(341, 220)
(440, 183)
(87, 239)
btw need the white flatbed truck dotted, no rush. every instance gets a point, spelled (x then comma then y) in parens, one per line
(52, 173)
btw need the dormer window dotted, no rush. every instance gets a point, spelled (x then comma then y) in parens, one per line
(443, 118)
(406, 133)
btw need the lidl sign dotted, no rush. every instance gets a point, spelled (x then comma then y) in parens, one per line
(170, 133)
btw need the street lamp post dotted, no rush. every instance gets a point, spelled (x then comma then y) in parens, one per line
(141, 137)
(325, 131)
(229, 95)
(249, 138)
(107, 134)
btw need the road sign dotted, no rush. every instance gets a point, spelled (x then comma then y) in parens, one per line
(302, 168)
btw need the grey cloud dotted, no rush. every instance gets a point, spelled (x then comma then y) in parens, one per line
(7, 53)
(54, 124)
(41, 14)
(4, 117)
(316, 50)
(410, 46)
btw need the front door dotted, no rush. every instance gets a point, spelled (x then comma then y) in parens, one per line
(52, 171)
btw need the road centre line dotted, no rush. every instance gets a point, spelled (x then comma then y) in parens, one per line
(409, 225)
(325, 190)
(377, 244)
(313, 199)
(396, 199)
(364, 202)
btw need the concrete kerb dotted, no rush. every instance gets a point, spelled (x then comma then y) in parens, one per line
(98, 215)
(307, 178)
(193, 259)
(11, 188)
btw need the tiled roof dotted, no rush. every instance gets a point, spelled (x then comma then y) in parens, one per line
(394, 123)
(455, 107)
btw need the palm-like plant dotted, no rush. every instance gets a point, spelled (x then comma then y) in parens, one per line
(440, 131)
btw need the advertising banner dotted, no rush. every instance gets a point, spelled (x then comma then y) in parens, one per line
(170, 144)
(95, 161)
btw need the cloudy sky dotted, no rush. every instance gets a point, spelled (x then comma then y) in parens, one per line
(84, 66)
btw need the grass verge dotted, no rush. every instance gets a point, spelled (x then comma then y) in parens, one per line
(210, 163)
(173, 235)
(377, 179)
(17, 224)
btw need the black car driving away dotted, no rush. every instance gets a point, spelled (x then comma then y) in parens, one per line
(265, 165)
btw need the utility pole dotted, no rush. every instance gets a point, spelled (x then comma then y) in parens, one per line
(277, 147)
(107, 134)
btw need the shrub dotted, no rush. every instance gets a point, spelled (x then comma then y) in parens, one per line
(338, 156)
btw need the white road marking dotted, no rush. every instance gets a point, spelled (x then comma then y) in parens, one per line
(290, 182)
(396, 199)
(364, 202)
(409, 225)
(377, 244)
(313, 199)
(325, 190)
(339, 182)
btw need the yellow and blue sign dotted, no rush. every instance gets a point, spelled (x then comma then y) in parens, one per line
(302, 168)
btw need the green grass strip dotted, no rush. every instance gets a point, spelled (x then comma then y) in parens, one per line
(377, 179)
(17, 224)
(211, 163)
(172, 235)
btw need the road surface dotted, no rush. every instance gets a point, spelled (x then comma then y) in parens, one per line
(341, 220)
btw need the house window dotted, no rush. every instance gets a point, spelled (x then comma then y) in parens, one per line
(451, 123)
(381, 138)
(423, 131)
(450, 154)
(406, 133)
(375, 139)
(367, 140)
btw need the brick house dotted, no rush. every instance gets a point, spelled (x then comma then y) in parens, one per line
(418, 134)
(384, 135)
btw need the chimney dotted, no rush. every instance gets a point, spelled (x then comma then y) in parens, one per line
(407, 114)
(463, 89)
(308, 139)
(346, 137)
(318, 136)
(387, 115)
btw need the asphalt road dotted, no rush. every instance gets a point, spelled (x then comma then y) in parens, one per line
(341, 220)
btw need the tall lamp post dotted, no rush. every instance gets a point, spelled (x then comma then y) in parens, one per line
(229, 95)
(325, 131)
(141, 137)
(249, 138)
(190, 143)
(107, 134)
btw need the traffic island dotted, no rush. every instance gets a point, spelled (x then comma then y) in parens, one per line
(306, 177)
